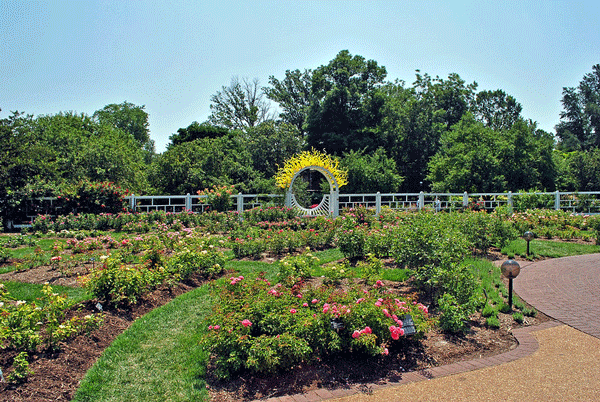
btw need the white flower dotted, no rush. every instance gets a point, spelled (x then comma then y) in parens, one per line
(20, 302)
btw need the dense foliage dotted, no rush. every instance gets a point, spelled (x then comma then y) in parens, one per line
(439, 134)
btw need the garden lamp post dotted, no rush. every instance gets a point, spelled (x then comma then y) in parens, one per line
(510, 269)
(528, 237)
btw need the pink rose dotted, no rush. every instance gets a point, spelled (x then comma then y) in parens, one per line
(246, 323)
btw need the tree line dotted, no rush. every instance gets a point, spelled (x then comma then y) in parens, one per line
(436, 134)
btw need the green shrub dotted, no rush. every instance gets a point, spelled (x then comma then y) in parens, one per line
(518, 317)
(488, 311)
(454, 316)
(371, 270)
(21, 323)
(493, 322)
(262, 328)
(21, 369)
(98, 197)
(295, 268)
(352, 243)
(117, 282)
(218, 197)
(505, 308)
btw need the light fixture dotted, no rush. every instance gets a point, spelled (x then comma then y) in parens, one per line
(510, 269)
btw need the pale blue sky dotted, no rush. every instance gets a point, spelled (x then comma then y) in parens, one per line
(172, 56)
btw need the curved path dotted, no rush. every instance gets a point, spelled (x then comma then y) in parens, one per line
(566, 289)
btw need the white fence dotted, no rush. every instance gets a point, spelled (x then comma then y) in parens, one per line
(577, 202)
(581, 202)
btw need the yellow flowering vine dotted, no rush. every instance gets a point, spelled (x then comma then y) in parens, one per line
(285, 174)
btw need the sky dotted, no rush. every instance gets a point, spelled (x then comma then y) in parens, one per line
(171, 57)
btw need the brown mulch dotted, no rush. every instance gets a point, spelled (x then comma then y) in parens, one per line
(57, 374)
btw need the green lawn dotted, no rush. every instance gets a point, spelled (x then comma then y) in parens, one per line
(548, 249)
(156, 359)
(31, 292)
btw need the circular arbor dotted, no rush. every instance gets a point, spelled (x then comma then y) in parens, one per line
(324, 164)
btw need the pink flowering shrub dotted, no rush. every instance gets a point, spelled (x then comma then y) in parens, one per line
(218, 197)
(263, 327)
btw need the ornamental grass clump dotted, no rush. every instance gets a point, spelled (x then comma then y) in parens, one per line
(260, 327)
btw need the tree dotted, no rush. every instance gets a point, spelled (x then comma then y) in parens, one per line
(293, 94)
(526, 157)
(370, 173)
(340, 117)
(202, 163)
(579, 127)
(239, 106)
(47, 155)
(496, 109)
(131, 119)
(196, 131)
(581, 171)
(410, 129)
(270, 144)
(467, 160)
(451, 96)
(475, 158)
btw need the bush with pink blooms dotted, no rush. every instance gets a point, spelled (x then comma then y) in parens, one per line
(261, 327)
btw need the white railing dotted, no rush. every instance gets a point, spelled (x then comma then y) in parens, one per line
(580, 202)
(584, 202)
(194, 203)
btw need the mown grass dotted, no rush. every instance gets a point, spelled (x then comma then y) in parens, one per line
(547, 248)
(32, 292)
(157, 358)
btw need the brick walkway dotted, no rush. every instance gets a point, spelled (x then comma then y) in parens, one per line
(566, 289)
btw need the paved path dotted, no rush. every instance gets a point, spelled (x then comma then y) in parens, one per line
(566, 289)
(552, 362)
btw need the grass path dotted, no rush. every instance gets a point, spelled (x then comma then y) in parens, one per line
(156, 359)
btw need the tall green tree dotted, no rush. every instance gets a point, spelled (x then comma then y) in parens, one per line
(410, 130)
(130, 118)
(340, 116)
(293, 94)
(579, 127)
(526, 157)
(580, 171)
(467, 160)
(476, 158)
(451, 96)
(271, 143)
(370, 173)
(496, 109)
(201, 163)
(240, 105)
(196, 131)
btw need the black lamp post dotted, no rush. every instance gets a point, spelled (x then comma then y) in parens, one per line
(528, 237)
(510, 269)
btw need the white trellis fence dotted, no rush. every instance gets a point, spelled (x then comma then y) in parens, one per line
(587, 202)
(583, 202)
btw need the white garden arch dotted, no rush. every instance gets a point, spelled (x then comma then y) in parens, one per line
(328, 206)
